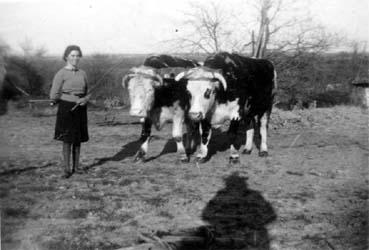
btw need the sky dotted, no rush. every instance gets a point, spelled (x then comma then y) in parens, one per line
(139, 26)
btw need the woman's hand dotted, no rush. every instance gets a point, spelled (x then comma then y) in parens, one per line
(83, 101)
(53, 103)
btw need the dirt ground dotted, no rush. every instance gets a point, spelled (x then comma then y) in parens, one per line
(311, 192)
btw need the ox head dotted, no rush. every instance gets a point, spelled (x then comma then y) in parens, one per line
(141, 82)
(202, 86)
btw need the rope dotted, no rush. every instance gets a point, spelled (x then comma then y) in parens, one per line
(99, 81)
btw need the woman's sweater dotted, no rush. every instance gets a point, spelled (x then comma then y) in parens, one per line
(68, 85)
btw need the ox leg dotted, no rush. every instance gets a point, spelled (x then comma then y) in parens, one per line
(177, 133)
(192, 136)
(205, 132)
(250, 125)
(263, 134)
(234, 156)
(145, 139)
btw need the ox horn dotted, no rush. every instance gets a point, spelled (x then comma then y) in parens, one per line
(180, 76)
(219, 76)
(126, 79)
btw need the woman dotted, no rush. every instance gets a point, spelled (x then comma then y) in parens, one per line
(69, 90)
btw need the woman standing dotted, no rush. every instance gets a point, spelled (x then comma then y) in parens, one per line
(69, 88)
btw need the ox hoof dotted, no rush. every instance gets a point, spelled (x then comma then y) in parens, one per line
(140, 156)
(263, 153)
(184, 159)
(67, 174)
(234, 159)
(201, 159)
(247, 151)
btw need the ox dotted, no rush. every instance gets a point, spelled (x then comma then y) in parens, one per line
(231, 87)
(158, 100)
(8, 89)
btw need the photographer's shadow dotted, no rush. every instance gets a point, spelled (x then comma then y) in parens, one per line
(236, 218)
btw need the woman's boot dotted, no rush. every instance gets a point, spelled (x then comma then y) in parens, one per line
(76, 149)
(66, 158)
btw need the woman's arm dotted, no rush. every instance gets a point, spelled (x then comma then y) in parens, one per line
(84, 100)
(56, 87)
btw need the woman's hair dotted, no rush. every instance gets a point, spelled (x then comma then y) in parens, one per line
(69, 49)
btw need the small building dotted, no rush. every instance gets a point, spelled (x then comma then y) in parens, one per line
(360, 94)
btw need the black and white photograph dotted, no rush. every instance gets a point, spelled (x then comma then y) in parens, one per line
(184, 125)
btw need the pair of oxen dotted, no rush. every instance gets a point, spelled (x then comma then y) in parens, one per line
(227, 87)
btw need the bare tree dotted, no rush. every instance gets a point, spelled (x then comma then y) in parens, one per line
(4, 48)
(259, 47)
(27, 46)
(205, 28)
(275, 25)
(29, 50)
(359, 60)
(287, 26)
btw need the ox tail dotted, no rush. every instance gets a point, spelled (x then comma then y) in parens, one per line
(275, 85)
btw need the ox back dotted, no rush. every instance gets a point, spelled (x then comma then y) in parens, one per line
(165, 61)
(170, 92)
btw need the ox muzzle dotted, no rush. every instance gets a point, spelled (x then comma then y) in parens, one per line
(138, 113)
(196, 116)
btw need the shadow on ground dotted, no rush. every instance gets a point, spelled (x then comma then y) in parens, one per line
(220, 141)
(236, 218)
(130, 149)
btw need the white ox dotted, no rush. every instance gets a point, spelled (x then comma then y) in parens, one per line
(156, 103)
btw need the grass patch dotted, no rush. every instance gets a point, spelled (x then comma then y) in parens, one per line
(78, 243)
(88, 197)
(124, 218)
(155, 201)
(3, 192)
(16, 212)
(38, 188)
(126, 182)
(108, 182)
(166, 214)
(77, 214)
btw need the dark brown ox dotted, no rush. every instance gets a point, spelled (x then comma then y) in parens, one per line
(231, 87)
(8, 88)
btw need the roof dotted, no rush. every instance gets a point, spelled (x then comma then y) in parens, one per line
(361, 82)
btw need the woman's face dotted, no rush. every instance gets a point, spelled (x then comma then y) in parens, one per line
(73, 58)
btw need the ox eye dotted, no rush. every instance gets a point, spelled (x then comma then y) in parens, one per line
(207, 93)
(188, 93)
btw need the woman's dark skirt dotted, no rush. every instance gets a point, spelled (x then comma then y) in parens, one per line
(71, 126)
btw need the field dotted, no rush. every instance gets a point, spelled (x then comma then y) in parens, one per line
(310, 193)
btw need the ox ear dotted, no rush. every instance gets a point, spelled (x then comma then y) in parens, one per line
(126, 79)
(221, 79)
